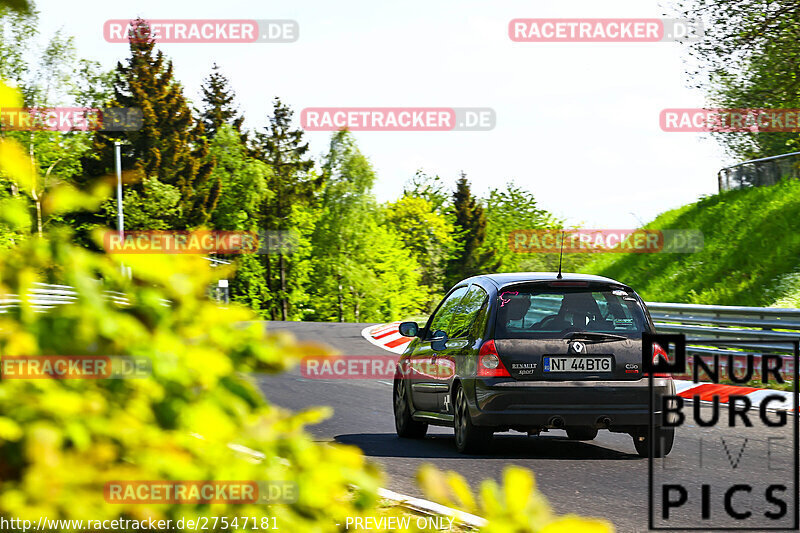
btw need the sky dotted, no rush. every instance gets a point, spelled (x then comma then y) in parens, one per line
(577, 123)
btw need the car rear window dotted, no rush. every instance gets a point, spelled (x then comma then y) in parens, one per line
(552, 312)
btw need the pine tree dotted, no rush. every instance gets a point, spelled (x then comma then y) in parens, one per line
(219, 101)
(470, 257)
(171, 145)
(292, 184)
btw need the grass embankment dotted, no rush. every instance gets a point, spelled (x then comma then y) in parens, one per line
(751, 252)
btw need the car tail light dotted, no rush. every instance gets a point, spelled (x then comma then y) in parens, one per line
(660, 354)
(489, 363)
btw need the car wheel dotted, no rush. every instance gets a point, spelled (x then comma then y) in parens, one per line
(406, 427)
(664, 439)
(582, 433)
(469, 438)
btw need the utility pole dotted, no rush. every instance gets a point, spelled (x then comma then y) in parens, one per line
(120, 217)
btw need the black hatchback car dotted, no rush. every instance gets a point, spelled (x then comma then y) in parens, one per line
(532, 352)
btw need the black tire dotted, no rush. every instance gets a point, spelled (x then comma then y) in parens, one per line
(582, 433)
(664, 439)
(406, 427)
(469, 438)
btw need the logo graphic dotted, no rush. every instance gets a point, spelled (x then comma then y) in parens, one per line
(504, 301)
(740, 472)
(577, 347)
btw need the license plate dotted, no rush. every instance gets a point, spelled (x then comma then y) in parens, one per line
(577, 364)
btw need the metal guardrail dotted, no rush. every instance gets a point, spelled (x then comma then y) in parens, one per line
(754, 330)
(45, 296)
(728, 323)
(740, 327)
(759, 172)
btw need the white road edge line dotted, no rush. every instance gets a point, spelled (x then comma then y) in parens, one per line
(403, 500)
(426, 506)
(419, 504)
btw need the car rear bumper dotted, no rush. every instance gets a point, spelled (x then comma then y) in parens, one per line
(612, 404)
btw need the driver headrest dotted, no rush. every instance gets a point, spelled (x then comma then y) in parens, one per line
(516, 308)
(579, 303)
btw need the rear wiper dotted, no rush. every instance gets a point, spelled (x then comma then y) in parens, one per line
(594, 335)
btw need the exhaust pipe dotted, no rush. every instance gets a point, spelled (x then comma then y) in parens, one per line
(557, 422)
(604, 421)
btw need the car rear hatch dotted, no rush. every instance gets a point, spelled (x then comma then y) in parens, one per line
(570, 331)
(558, 359)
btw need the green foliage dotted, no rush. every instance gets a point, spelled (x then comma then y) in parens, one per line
(515, 208)
(748, 59)
(361, 269)
(62, 440)
(21, 6)
(516, 505)
(243, 182)
(171, 145)
(249, 286)
(429, 188)
(294, 187)
(426, 234)
(752, 241)
(149, 207)
(219, 100)
(470, 257)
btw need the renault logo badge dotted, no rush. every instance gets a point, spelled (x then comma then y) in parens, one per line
(578, 347)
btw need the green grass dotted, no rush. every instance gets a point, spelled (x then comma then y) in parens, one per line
(751, 253)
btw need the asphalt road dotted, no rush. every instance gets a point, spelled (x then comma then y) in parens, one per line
(602, 478)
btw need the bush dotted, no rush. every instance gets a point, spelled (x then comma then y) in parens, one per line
(62, 440)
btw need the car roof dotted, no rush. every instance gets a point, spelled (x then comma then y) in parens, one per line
(500, 280)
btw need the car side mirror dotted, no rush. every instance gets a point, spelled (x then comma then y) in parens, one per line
(439, 340)
(409, 329)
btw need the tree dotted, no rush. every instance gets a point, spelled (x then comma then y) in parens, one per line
(470, 257)
(429, 188)
(514, 208)
(45, 79)
(22, 6)
(362, 271)
(148, 207)
(243, 182)
(748, 58)
(339, 238)
(426, 234)
(294, 186)
(171, 144)
(219, 101)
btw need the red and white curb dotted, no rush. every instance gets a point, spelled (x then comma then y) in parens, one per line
(388, 337)
(706, 392)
